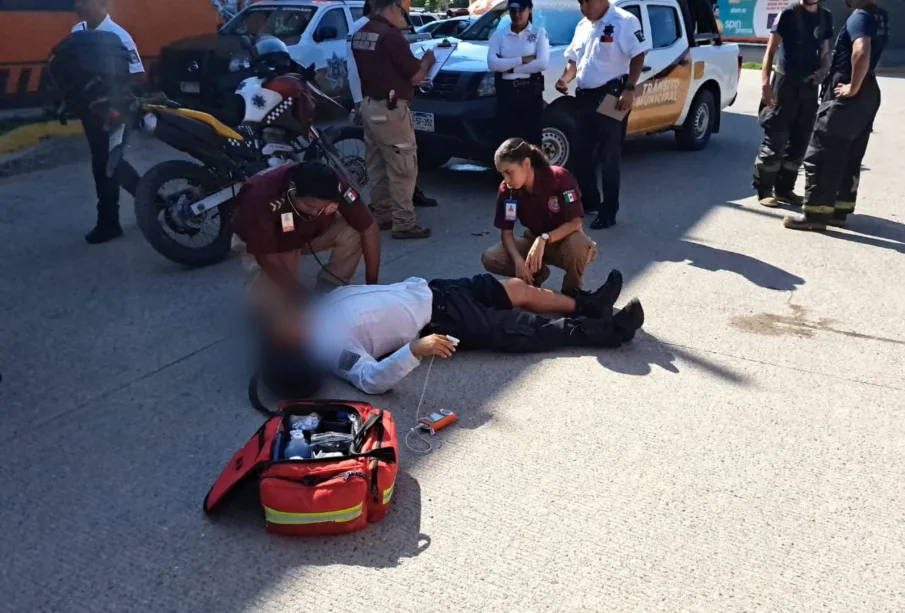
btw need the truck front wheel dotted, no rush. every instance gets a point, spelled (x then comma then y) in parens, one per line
(559, 138)
(702, 116)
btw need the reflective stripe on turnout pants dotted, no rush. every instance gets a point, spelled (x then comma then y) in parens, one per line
(392, 159)
(787, 129)
(832, 163)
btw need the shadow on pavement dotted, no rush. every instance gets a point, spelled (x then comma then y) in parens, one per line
(641, 356)
(756, 271)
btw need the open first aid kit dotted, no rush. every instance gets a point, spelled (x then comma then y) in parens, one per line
(322, 466)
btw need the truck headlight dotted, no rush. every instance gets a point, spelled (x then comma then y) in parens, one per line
(239, 63)
(487, 86)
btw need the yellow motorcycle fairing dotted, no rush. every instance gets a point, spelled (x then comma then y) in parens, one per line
(219, 127)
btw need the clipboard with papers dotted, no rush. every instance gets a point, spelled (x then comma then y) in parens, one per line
(442, 52)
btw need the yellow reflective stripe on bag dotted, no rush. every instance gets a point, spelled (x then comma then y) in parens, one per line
(281, 517)
(388, 493)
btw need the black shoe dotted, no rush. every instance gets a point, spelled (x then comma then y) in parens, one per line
(103, 233)
(599, 304)
(603, 221)
(629, 320)
(421, 199)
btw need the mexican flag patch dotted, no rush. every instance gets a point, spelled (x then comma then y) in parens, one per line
(350, 195)
(570, 196)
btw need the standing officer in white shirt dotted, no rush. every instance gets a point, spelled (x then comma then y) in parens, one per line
(419, 198)
(518, 55)
(606, 56)
(94, 14)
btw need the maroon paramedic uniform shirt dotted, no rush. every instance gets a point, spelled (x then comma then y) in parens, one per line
(258, 217)
(385, 61)
(554, 201)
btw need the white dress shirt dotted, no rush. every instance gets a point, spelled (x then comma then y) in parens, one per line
(355, 325)
(108, 25)
(351, 66)
(603, 50)
(507, 48)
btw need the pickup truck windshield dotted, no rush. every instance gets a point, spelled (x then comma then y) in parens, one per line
(559, 22)
(282, 22)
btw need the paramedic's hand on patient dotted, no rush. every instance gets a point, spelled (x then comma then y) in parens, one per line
(432, 345)
(535, 259)
(522, 272)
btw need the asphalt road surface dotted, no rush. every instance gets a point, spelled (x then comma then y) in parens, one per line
(746, 453)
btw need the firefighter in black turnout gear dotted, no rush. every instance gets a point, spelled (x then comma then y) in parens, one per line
(845, 119)
(789, 99)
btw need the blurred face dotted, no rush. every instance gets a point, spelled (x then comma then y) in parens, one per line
(92, 11)
(593, 9)
(311, 207)
(515, 174)
(396, 16)
(519, 18)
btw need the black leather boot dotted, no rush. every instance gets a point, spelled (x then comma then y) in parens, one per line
(421, 199)
(104, 232)
(599, 304)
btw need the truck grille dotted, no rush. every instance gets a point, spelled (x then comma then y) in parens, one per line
(446, 85)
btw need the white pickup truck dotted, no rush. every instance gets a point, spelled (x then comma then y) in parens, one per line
(689, 76)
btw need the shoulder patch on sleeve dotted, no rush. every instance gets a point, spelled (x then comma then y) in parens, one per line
(350, 196)
(347, 360)
(639, 34)
(570, 195)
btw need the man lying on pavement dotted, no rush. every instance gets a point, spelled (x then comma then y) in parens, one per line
(348, 330)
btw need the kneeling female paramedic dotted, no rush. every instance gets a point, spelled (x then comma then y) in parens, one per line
(546, 201)
(518, 55)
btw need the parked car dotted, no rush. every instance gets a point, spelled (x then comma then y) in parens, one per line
(203, 71)
(419, 19)
(446, 27)
(688, 79)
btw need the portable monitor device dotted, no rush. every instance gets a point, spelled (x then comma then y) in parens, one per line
(438, 420)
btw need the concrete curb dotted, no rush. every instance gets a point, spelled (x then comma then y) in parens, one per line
(31, 134)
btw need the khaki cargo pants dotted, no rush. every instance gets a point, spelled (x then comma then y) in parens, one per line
(571, 254)
(392, 158)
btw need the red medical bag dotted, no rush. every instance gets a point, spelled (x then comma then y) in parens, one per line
(318, 496)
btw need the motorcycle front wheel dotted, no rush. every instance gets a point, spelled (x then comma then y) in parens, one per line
(162, 211)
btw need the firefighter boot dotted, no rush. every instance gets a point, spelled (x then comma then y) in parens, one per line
(838, 219)
(806, 221)
(599, 303)
(790, 198)
(766, 198)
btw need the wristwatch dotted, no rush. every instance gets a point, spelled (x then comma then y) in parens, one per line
(629, 87)
(545, 236)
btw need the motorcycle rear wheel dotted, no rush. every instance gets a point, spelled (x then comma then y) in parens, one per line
(154, 220)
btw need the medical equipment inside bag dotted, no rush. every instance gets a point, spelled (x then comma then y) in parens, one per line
(323, 467)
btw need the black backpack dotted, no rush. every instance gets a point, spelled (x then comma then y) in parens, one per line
(86, 66)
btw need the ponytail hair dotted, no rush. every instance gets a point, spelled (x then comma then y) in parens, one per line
(516, 151)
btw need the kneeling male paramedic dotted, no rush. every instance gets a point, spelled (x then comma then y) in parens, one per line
(291, 210)
(351, 328)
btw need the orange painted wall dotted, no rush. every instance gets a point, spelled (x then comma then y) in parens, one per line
(28, 37)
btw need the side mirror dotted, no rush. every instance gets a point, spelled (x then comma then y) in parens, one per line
(326, 33)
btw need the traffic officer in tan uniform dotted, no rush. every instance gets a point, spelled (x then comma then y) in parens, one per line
(389, 72)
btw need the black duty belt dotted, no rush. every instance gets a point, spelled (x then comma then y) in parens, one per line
(613, 86)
